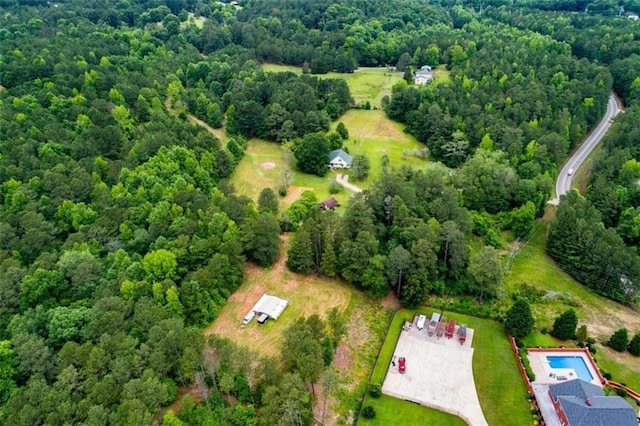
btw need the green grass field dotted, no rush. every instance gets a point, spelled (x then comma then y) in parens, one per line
(539, 340)
(372, 133)
(495, 370)
(624, 367)
(393, 411)
(261, 167)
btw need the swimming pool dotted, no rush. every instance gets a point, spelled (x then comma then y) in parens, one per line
(575, 362)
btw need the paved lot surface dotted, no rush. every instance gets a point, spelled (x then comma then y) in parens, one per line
(438, 374)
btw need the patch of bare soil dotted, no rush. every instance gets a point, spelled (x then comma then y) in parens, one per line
(294, 193)
(602, 322)
(267, 165)
(390, 301)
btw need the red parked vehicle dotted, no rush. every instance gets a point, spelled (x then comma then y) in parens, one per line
(402, 365)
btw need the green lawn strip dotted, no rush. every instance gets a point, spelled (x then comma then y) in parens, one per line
(389, 345)
(539, 340)
(281, 68)
(393, 411)
(366, 84)
(500, 387)
(624, 367)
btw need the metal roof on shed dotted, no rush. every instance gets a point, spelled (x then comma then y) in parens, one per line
(270, 305)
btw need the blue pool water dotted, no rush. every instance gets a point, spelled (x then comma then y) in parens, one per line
(575, 362)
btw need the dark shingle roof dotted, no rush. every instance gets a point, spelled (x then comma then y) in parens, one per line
(577, 387)
(342, 154)
(585, 404)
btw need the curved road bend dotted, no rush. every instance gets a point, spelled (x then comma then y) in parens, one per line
(563, 184)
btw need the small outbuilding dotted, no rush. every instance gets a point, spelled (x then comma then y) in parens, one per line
(329, 204)
(267, 307)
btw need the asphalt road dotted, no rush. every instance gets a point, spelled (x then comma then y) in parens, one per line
(563, 184)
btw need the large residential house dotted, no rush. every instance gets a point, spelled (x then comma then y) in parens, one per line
(579, 403)
(340, 159)
(423, 75)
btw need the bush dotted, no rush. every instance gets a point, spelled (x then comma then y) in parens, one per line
(592, 349)
(375, 390)
(582, 333)
(519, 321)
(634, 345)
(606, 375)
(368, 412)
(622, 392)
(564, 327)
(335, 187)
(619, 340)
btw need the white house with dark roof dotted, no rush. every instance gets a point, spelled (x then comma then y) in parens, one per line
(423, 75)
(579, 403)
(339, 159)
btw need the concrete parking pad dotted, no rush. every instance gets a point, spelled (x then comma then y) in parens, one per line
(438, 374)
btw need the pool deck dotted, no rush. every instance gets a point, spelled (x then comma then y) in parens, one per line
(545, 374)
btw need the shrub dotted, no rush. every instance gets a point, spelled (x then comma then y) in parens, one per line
(619, 340)
(622, 392)
(368, 412)
(335, 187)
(582, 333)
(564, 327)
(375, 390)
(592, 349)
(606, 375)
(519, 321)
(634, 345)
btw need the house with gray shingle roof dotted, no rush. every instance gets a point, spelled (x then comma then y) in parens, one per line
(579, 403)
(340, 159)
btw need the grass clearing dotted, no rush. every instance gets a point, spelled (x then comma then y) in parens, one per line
(261, 167)
(372, 133)
(532, 265)
(308, 295)
(624, 367)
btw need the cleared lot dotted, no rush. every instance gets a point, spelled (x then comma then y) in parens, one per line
(438, 374)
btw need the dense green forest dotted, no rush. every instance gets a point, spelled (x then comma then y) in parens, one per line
(120, 237)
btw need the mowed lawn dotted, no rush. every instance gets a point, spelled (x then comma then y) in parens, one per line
(262, 166)
(500, 388)
(306, 294)
(372, 133)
